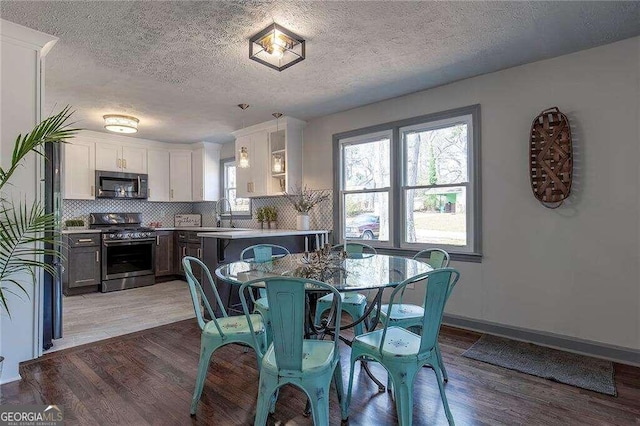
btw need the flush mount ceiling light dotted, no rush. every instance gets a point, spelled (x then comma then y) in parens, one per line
(277, 47)
(121, 123)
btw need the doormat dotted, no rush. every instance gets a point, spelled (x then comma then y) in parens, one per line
(564, 367)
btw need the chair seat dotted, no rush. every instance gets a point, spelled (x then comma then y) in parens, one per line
(262, 303)
(350, 298)
(235, 325)
(402, 311)
(398, 343)
(316, 355)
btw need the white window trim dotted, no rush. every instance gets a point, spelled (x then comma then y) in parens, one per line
(243, 214)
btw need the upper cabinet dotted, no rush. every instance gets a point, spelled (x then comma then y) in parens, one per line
(180, 175)
(78, 169)
(159, 181)
(275, 158)
(121, 158)
(205, 172)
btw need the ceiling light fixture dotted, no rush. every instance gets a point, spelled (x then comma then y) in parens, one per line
(121, 123)
(277, 47)
(243, 158)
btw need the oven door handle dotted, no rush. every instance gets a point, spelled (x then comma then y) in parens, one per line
(128, 242)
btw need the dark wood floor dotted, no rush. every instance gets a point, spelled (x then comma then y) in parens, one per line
(148, 378)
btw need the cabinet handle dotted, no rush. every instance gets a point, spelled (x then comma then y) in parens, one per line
(84, 240)
(124, 163)
(199, 253)
(157, 240)
(148, 192)
(119, 163)
(184, 251)
(93, 191)
(97, 256)
(172, 194)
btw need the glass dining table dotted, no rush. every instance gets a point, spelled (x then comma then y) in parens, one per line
(370, 273)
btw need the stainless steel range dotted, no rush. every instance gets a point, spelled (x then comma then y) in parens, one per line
(128, 250)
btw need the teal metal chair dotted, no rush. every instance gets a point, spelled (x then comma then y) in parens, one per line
(410, 316)
(247, 330)
(404, 353)
(353, 303)
(309, 364)
(263, 253)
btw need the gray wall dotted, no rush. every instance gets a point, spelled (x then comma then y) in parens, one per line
(571, 271)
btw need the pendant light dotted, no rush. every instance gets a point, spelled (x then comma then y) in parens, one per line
(243, 158)
(277, 165)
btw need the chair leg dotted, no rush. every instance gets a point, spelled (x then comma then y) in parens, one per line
(337, 377)
(403, 395)
(445, 376)
(206, 350)
(320, 405)
(443, 396)
(266, 389)
(345, 415)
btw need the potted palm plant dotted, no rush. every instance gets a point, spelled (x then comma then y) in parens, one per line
(303, 200)
(25, 227)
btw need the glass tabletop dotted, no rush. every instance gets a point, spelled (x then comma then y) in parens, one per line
(370, 272)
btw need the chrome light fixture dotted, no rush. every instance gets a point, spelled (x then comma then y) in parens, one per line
(243, 158)
(121, 123)
(277, 47)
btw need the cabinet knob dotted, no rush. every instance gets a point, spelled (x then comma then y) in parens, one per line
(119, 163)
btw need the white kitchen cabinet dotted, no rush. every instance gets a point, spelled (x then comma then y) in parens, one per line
(253, 181)
(78, 169)
(180, 176)
(264, 142)
(205, 172)
(158, 166)
(119, 158)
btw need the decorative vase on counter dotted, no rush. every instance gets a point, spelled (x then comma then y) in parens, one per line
(302, 222)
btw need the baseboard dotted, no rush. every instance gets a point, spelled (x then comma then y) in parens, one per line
(570, 344)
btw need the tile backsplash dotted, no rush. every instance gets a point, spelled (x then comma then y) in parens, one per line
(321, 217)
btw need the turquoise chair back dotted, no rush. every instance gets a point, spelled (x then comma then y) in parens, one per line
(356, 250)
(288, 311)
(195, 288)
(261, 253)
(439, 284)
(435, 257)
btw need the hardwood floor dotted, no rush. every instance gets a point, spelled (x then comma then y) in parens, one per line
(97, 316)
(148, 377)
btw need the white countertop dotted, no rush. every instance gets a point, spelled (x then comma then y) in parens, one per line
(81, 231)
(201, 228)
(259, 233)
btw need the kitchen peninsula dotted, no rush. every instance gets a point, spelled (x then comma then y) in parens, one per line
(225, 246)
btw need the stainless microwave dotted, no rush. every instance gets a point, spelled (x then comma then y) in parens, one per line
(121, 185)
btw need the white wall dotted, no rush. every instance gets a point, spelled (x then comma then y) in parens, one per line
(20, 84)
(571, 271)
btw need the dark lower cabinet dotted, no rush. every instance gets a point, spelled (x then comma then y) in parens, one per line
(187, 244)
(164, 254)
(82, 268)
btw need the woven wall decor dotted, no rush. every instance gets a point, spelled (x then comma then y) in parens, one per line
(550, 157)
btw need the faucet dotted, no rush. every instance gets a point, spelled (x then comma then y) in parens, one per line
(220, 211)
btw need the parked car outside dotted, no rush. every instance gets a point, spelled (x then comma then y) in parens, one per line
(365, 226)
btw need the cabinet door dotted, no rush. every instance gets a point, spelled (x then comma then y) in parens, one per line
(84, 266)
(180, 252)
(79, 169)
(134, 159)
(197, 173)
(164, 253)
(260, 162)
(180, 175)
(243, 175)
(158, 164)
(109, 157)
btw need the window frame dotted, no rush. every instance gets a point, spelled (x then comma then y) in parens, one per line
(396, 244)
(224, 163)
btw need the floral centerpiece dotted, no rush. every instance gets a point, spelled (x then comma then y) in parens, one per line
(303, 200)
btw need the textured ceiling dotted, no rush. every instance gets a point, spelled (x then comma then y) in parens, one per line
(182, 67)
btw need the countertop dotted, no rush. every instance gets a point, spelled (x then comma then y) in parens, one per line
(81, 231)
(201, 228)
(259, 233)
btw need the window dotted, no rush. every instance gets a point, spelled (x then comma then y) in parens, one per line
(239, 206)
(411, 184)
